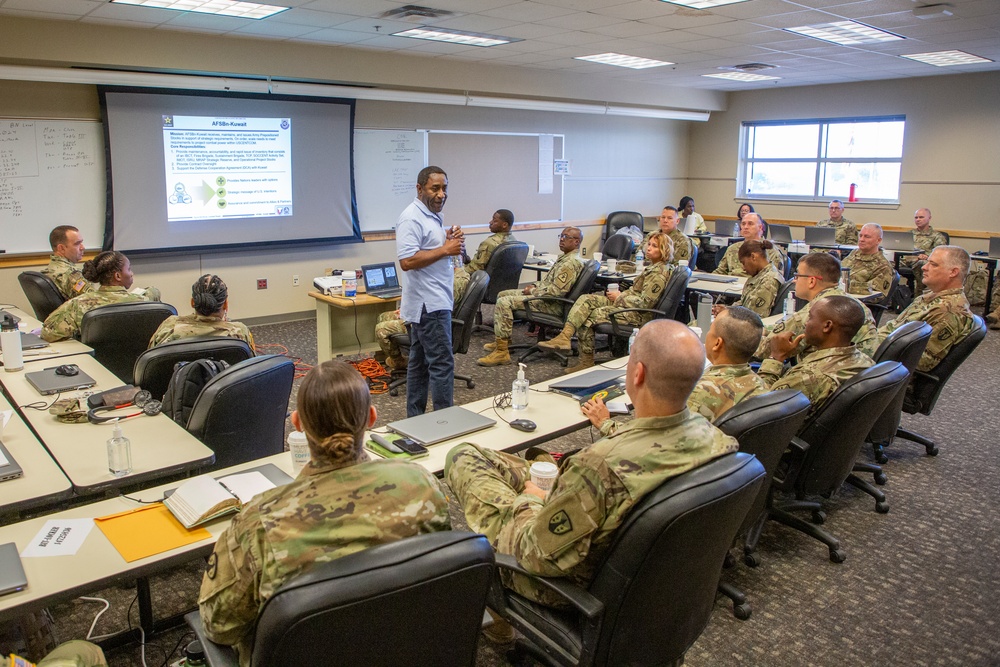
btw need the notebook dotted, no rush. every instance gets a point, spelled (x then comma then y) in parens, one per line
(690, 226)
(381, 280)
(8, 466)
(12, 577)
(585, 385)
(713, 277)
(780, 233)
(441, 425)
(821, 236)
(898, 241)
(47, 382)
(30, 341)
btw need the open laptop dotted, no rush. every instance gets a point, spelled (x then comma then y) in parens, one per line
(821, 235)
(995, 247)
(12, 577)
(441, 425)
(780, 233)
(589, 382)
(898, 241)
(728, 228)
(8, 466)
(47, 382)
(30, 341)
(381, 280)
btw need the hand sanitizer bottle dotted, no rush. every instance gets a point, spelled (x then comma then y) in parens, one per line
(631, 339)
(119, 453)
(519, 391)
(789, 308)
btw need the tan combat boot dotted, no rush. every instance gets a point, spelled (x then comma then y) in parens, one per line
(499, 356)
(489, 347)
(586, 361)
(396, 362)
(562, 342)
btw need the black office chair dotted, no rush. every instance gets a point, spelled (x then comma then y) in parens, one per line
(418, 601)
(653, 593)
(504, 270)
(240, 414)
(462, 318)
(546, 321)
(620, 219)
(154, 367)
(618, 246)
(693, 260)
(670, 302)
(788, 270)
(42, 293)
(764, 425)
(120, 332)
(779, 301)
(822, 457)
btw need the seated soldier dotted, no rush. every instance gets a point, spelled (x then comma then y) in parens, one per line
(668, 225)
(764, 281)
(847, 231)
(500, 225)
(686, 210)
(870, 271)
(597, 486)
(751, 228)
(210, 300)
(67, 251)
(833, 321)
(557, 282)
(339, 504)
(943, 305)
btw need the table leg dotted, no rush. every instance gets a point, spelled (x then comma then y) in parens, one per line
(324, 331)
(990, 270)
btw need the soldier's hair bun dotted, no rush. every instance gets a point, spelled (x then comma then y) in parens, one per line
(102, 268)
(209, 294)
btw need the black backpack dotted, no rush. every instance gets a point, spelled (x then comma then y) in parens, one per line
(189, 378)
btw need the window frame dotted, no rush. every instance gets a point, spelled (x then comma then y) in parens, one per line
(819, 160)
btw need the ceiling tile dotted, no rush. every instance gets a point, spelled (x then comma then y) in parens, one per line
(628, 29)
(527, 11)
(309, 17)
(67, 8)
(578, 21)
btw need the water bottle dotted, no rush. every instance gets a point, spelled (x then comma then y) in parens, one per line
(704, 314)
(519, 390)
(789, 308)
(631, 339)
(639, 259)
(10, 340)
(298, 446)
(119, 453)
(350, 279)
(194, 656)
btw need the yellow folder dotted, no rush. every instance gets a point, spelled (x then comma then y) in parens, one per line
(147, 531)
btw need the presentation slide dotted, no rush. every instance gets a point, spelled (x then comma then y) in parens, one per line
(209, 171)
(227, 167)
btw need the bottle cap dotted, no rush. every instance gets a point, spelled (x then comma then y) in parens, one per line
(520, 372)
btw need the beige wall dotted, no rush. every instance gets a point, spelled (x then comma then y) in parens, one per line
(950, 152)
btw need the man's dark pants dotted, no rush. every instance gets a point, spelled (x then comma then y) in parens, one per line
(431, 360)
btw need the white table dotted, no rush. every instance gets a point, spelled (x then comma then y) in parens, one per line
(160, 447)
(63, 348)
(730, 289)
(42, 482)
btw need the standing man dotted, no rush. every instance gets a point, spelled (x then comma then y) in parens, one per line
(500, 225)
(67, 251)
(925, 239)
(424, 248)
(847, 231)
(668, 225)
(870, 270)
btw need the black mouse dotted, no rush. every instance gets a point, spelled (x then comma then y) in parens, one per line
(524, 425)
(67, 369)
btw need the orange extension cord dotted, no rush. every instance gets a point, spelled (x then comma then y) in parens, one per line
(371, 370)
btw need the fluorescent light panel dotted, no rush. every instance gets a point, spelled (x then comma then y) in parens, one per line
(246, 10)
(619, 60)
(742, 76)
(947, 58)
(702, 4)
(455, 37)
(845, 33)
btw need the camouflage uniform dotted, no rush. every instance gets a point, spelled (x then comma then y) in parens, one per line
(557, 282)
(75, 653)
(332, 509)
(925, 241)
(866, 339)
(760, 291)
(723, 386)
(177, 327)
(730, 264)
(682, 245)
(568, 533)
(847, 231)
(478, 261)
(948, 314)
(975, 284)
(64, 321)
(869, 273)
(591, 309)
(818, 374)
(67, 277)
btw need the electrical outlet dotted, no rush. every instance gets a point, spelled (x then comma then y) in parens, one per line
(295, 280)
(584, 251)
(262, 283)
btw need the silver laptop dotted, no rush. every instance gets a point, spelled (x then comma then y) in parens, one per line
(897, 241)
(381, 280)
(30, 341)
(592, 380)
(48, 382)
(12, 577)
(8, 466)
(729, 228)
(441, 425)
(780, 233)
(821, 236)
(995, 246)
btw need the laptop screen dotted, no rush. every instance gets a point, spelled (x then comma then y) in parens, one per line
(380, 277)
(898, 241)
(995, 246)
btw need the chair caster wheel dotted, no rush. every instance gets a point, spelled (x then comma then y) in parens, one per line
(729, 561)
(752, 560)
(470, 384)
(932, 450)
(882, 507)
(394, 392)
(880, 478)
(819, 517)
(742, 611)
(881, 459)
(837, 556)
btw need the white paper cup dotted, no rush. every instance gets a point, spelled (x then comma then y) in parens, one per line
(598, 256)
(543, 474)
(531, 251)
(683, 262)
(612, 287)
(612, 265)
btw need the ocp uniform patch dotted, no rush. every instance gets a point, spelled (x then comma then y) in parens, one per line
(565, 521)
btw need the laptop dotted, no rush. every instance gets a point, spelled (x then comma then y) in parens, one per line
(780, 233)
(589, 382)
(381, 280)
(8, 466)
(821, 235)
(47, 382)
(12, 577)
(729, 228)
(898, 241)
(995, 246)
(690, 226)
(713, 277)
(30, 341)
(440, 425)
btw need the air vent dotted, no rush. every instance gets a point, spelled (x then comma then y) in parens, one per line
(750, 67)
(415, 13)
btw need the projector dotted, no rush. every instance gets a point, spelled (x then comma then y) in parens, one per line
(938, 11)
(329, 285)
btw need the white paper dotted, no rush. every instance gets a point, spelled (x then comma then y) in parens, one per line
(617, 407)
(246, 485)
(545, 155)
(59, 538)
(6, 414)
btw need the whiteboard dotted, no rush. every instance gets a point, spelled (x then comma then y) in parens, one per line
(386, 164)
(51, 173)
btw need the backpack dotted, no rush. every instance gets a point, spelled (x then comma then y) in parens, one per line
(189, 378)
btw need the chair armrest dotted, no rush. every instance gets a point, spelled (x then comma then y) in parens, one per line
(217, 655)
(566, 303)
(619, 330)
(924, 375)
(581, 600)
(799, 445)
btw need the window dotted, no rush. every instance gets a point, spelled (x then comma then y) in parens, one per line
(820, 159)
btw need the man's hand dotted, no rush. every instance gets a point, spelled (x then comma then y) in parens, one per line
(785, 345)
(527, 291)
(923, 256)
(613, 295)
(595, 411)
(717, 308)
(534, 489)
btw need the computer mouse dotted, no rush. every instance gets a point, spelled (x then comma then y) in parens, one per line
(524, 425)
(67, 369)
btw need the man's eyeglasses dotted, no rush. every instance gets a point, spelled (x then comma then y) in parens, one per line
(567, 236)
(804, 275)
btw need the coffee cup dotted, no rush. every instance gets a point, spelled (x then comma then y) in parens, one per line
(531, 251)
(543, 475)
(612, 265)
(613, 287)
(683, 262)
(599, 256)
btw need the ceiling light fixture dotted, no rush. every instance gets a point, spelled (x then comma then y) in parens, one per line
(619, 60)
(702, 4)
(742, 76)
(455, 36)
(845, 33)
(947, 58)
(246, 10)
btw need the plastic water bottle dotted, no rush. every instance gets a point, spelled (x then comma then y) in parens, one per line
(298, 446)
(10, 340)
(640, 257)
(789, 308)
(631, 339)
(519, 390)
(119, 453)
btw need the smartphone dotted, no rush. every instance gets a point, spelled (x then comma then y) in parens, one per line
(411, 447)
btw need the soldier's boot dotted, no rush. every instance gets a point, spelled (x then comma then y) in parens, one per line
(563, 342)
(497, 630)
(489, 347)
(993, 319)
(586, 361)
(396, 362)
(500, 356)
